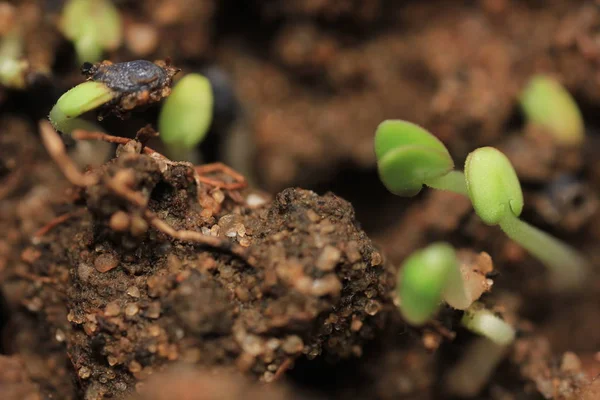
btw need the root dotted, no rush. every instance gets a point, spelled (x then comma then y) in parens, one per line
(120, 185)
(56, 148)
(80, 134)
(282, 369)
(202, 170)
(52, 224)
(122, 181)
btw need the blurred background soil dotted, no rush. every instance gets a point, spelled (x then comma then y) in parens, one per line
(300, 87)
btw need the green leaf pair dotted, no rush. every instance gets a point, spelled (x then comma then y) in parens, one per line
(410, 157)
(93, 26)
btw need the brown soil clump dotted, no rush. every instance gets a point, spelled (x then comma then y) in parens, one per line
(154, 267)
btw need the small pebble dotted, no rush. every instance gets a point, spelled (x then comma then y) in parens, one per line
(253, 345)
(154, 330)
(106, 262)
(131, 309)
(254, 200)
(219, 196)
(372, 307)
(328, 285)
(112, 309)
(90, 328)
(313, 216)
(352, 252)
(60, 336)
(134, 367)
(355, 325)
(153, 310)
(84, 372)
(376, 259)
(292, 344)
(84, 271)
(139, 226)
(133, 291)
(328, 258)
(120, 221)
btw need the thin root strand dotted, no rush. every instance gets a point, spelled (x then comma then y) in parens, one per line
(202, 170)
(56, 148)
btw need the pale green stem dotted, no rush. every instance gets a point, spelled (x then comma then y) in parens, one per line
(567, 267)
(453, 181)
(482, 321)
(455, 291)
(472, 372)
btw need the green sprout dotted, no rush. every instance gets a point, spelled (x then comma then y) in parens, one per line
(496, 195)
(482, 321)
(12, 67)
(121, 87)
(186, 115)
(432, 275)
(82, 98)
(547, 103)
(94, 26)
(410, 157)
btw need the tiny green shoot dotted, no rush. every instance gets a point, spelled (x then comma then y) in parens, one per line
(429, 276)
(12, 66)
(409, 157)
(186, 115)
(94, 26)
(496, 195)
(82, 98)
(547, 103)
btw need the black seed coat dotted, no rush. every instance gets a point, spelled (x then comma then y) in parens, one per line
(131, 76)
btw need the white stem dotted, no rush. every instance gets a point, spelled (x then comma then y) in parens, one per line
(468, 377)
(482, 321)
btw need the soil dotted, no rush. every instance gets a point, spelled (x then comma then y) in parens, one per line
(150, 279)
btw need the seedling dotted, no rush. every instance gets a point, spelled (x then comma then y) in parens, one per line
(119, 87)
(94, 26)
(547, 103)
(409, 157)
(431, 275)
(186, 115)
(12, 67)
(496, 195)
(434, 274)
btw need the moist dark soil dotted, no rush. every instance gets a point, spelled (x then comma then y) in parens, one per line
(150, 282)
